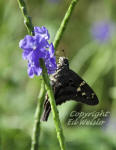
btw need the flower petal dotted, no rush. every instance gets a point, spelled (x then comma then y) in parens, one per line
(51, 50)
(42, 32)
(30, 72)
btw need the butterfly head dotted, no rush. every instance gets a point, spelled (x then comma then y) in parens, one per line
(63, 62)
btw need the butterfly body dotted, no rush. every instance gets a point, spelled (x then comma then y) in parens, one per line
(67, 85)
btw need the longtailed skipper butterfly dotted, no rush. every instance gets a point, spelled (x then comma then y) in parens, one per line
(67, 85)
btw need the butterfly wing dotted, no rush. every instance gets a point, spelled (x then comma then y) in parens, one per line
(75, 88)
(67, 85)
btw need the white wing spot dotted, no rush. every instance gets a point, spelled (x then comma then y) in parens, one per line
(78, 89)
(92, 95)
(82, 83)
(83, 93)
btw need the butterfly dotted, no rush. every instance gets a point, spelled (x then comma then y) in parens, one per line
(67, 85)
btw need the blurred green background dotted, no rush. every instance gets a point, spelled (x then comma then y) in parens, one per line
(90, 44)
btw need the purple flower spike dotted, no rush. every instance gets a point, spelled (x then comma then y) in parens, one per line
(42, 32)
(102, 31)
(36, 47)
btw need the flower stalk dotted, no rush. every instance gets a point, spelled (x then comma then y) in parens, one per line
(27, 19)
(38, 112)
(64, 23)
(55, 113)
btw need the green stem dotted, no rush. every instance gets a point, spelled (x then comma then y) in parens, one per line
(55, 113)
(64, 23)
(27, 19)
(36, 128)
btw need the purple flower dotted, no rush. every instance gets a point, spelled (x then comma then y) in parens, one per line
(102, 31)
(36, 47)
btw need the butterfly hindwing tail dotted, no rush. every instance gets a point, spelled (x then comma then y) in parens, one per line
(46, 111)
